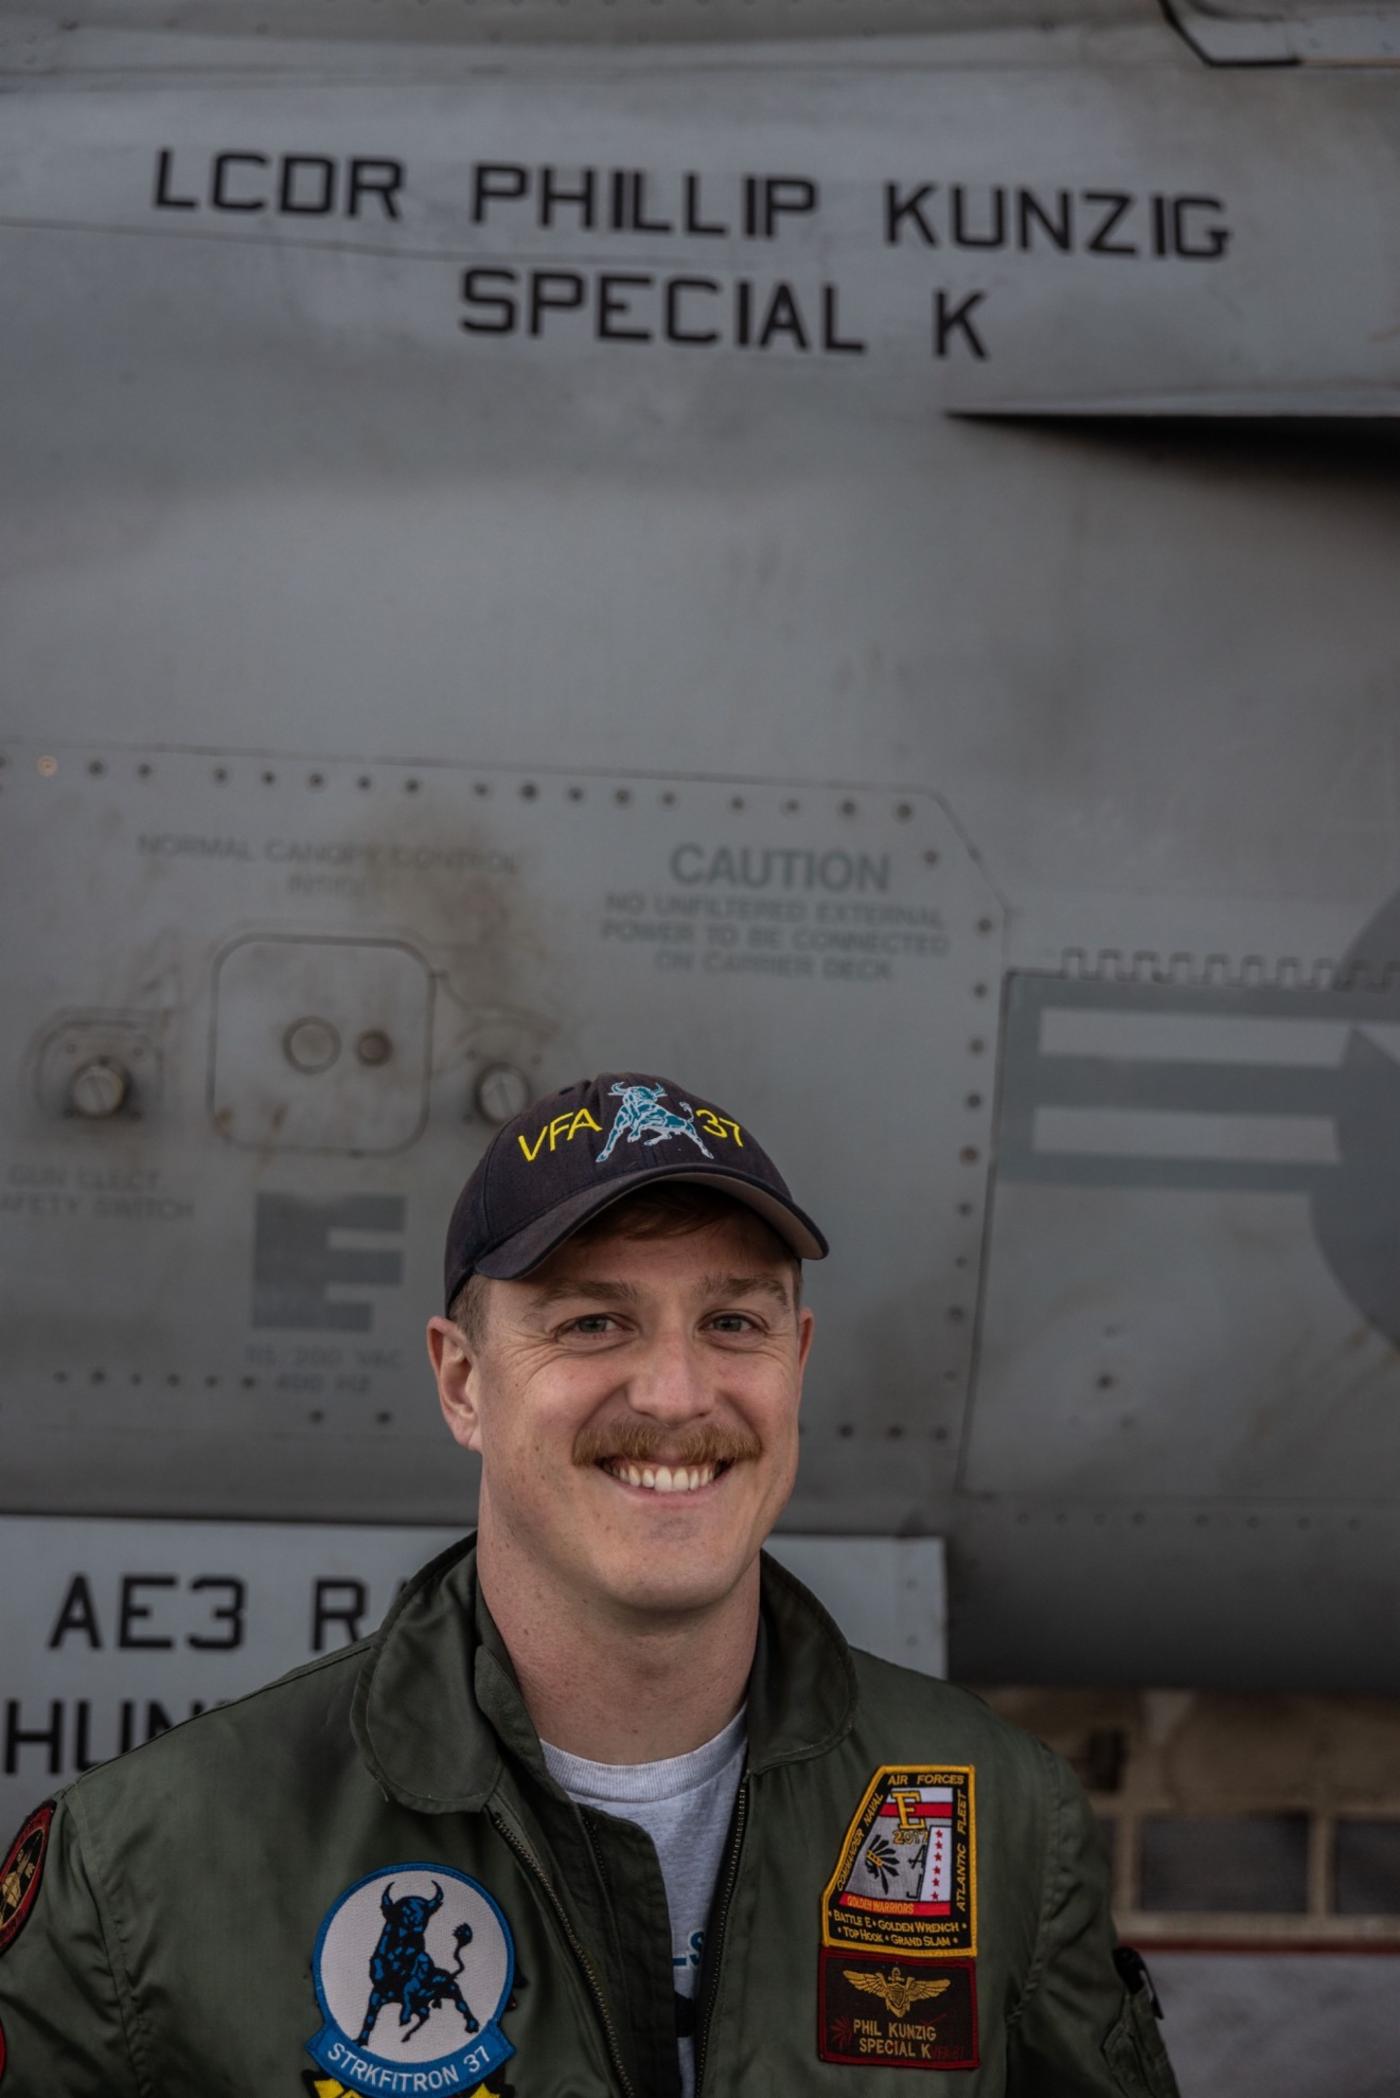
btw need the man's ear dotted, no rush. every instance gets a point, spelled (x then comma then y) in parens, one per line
(806, 1325)
(454, 1368)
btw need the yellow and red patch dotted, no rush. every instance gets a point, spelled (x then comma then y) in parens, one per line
(897, 1969)
(906, 1879)
(20, 1874)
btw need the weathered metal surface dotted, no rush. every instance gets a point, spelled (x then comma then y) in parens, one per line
(326, 970)
(1130, 234)
(271, 507)
(1234, 1141)
(1290, 32)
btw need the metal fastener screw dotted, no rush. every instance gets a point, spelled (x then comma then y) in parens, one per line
(99, 1089)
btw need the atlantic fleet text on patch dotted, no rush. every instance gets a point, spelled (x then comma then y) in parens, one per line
(906, 1878)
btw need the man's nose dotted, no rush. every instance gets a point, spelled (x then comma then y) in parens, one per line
(671, 1383)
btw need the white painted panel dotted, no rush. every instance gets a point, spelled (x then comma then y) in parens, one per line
(110, 1630)
(888, 1594)
(1107, 1132)
(101, 1620)
(1211, 1038)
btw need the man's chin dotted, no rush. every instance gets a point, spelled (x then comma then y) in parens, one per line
(687, 1586)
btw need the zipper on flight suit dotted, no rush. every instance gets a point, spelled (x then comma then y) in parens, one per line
(714, 1949)
(576, 1946)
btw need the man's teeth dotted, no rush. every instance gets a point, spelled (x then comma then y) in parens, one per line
(663, 1478)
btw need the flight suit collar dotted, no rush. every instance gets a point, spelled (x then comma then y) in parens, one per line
(437, 1706)
(802, 1687)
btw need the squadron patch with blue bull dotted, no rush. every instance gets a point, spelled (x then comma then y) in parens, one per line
(413, 1969)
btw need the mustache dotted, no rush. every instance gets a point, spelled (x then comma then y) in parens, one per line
(646, 1442)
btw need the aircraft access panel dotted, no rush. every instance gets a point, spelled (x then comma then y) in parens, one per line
(265, 1015)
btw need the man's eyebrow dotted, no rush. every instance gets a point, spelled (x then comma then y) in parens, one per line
(747, 1286)
(600, 1292)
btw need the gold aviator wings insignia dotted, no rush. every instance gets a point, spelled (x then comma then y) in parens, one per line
(896, 1990)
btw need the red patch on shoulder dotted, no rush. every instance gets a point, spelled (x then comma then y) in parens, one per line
(896, 2014)
(20, 1874)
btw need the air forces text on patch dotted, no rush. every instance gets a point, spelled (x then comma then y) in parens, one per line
(906, 1878)
(413, 1970)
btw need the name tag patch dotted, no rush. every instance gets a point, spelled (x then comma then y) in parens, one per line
(897, 2014)
(906, 1879)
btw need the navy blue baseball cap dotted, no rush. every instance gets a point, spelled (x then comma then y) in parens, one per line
(572, 1154)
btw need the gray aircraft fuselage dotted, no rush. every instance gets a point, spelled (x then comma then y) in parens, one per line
(858, 571)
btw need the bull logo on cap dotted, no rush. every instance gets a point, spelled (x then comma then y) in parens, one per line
(641, 1115)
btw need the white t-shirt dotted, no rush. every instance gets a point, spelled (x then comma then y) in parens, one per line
(684, 1804)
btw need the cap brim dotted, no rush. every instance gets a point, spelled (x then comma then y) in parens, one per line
(517, 1256)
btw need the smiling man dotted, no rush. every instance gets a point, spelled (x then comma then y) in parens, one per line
(607, 1809)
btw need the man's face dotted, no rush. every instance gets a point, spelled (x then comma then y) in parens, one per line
(634, 1402)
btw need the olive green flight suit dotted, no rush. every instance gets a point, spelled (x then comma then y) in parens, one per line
(167, 1949)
